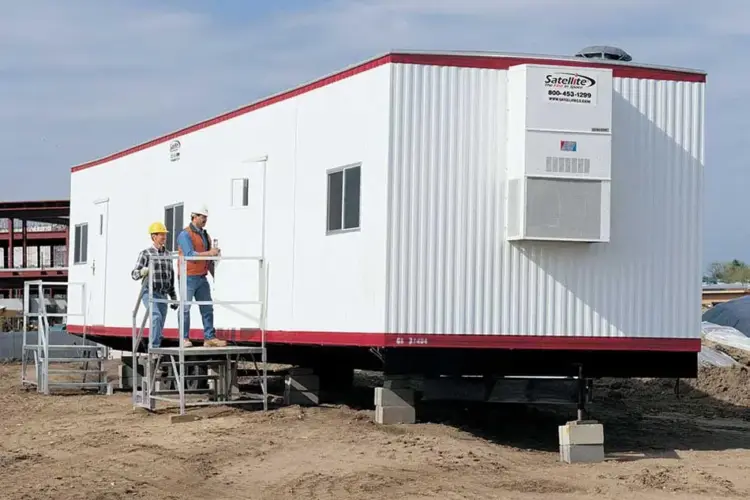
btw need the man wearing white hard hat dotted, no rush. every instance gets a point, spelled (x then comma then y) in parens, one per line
(195, 241)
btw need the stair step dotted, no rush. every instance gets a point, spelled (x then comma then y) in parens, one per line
(73, 360)
(191, 377)
(77, 384)
(34, 347)
(175, 391)
(72, 370)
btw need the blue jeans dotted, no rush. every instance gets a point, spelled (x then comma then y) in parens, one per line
(158, 315)
(199, 289)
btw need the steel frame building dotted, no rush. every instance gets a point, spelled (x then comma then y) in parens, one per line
(32, 225)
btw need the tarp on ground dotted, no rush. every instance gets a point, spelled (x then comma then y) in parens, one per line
(709, 356)
(734, 314)
(725, 335)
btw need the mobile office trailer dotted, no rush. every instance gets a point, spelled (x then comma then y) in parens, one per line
(434, 212)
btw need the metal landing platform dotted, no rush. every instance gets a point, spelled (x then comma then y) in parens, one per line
(179, 371)
(207, 351)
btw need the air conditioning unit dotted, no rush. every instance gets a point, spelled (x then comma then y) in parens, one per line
(559, 152)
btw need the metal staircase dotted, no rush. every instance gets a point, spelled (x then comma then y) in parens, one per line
(59, 366)
(196, 376)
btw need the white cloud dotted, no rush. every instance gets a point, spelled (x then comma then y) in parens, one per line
(81, 79)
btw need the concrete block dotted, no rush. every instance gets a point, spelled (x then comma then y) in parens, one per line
(302, 390)
(388, 415)
(581, 433)
(582, 453)
(581, 442)
(124, 377)
(303, 382)
(393, 397)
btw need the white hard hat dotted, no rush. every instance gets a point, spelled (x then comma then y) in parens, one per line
(202, 210)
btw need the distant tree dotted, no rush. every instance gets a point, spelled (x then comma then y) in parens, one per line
(734, 271)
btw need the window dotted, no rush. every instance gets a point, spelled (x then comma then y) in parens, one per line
(343, 198)
(80, 250)
(240, 192)
(173, 219)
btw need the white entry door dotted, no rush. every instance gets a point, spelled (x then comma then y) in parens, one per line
(246, 238)
(248, 209)
(98, 281)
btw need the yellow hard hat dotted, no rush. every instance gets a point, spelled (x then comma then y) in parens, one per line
(157, 227)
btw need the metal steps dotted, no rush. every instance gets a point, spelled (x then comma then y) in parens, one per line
(83, 364)
(198, 376)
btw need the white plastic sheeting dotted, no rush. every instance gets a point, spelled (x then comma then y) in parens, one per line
(722, 335)
(711, 357)
(725, 335)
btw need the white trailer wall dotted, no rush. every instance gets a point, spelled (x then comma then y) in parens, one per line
(317, 281)
(449, 268)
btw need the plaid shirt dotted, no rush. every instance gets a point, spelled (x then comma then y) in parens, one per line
(163, 271)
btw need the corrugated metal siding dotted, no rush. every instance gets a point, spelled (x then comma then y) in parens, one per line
(449, 268)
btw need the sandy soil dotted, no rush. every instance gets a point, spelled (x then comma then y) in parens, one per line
(658, 447)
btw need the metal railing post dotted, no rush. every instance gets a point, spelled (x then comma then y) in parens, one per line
(44, 334)
(24, 359)
(183, 331)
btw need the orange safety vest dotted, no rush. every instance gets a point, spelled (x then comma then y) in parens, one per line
(196, 267)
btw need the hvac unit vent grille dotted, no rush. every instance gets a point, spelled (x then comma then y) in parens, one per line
(563, 208)
(568, 165)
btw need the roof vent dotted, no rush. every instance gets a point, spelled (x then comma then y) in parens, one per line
(604, 52)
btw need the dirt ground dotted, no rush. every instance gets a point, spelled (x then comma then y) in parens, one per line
(658, 447)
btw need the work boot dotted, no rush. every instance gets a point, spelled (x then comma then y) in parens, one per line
(215, 343)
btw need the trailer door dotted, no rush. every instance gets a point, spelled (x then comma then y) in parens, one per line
(98, 279)
(246, 238)
(249, 204)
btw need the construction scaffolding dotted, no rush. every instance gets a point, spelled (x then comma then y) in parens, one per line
(77, 371)
(161, 372)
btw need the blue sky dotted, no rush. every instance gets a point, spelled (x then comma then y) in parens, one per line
(81, 79)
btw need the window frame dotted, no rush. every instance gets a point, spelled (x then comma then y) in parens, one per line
(174, 229)
(343, 169)
(80, 243)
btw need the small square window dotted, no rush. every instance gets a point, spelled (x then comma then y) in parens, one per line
(240, 192)
(344, 187)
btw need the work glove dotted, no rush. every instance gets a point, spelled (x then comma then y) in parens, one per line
(144, 272)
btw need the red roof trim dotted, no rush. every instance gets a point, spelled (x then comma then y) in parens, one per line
(505, 62)
(531, 342)
(464, 61)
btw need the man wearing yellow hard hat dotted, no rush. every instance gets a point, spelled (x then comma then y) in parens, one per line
(163, 279)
